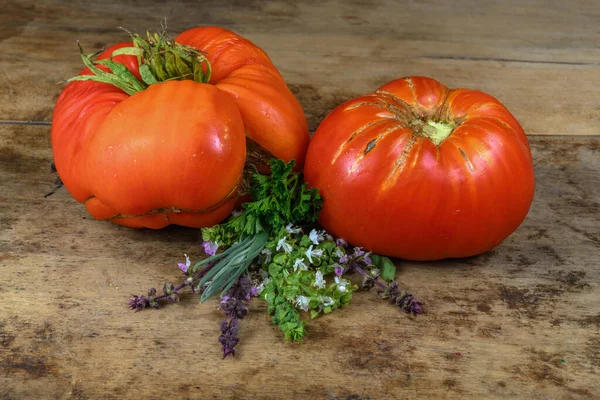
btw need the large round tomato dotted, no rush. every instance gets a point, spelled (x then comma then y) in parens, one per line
(174, 153)
(422, 172)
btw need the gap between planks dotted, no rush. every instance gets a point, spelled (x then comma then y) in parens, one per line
(48, 123)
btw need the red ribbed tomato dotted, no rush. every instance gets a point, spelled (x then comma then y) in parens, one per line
(422, 172)
(174, 153)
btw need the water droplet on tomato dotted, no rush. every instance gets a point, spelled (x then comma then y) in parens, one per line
(115, 175)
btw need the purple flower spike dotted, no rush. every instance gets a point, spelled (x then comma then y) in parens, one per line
(229, 338)
(235, 307)
(341, 242)
(210, 248)
(344, 259)
(339, 270)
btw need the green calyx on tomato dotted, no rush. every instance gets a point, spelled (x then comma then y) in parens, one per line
(160, 59)
(437, 132)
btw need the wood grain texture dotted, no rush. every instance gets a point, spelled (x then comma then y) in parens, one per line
(519, 321)
(541, 58)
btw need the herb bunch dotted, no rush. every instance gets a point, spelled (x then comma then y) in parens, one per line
(264, 251)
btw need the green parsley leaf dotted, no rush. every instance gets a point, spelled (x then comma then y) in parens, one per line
(279, 199)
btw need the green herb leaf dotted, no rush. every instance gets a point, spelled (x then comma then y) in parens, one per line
(279, 200)
(386, 266)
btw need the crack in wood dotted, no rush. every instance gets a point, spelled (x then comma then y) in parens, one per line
(510, 60)
(26, 122)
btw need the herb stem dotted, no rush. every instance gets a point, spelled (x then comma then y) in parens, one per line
(375, 280)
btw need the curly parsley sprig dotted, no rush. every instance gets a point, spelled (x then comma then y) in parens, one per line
(279, 199)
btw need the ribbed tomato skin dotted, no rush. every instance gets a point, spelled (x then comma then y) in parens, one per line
(272, 115)
(174, 153)
(390, 189)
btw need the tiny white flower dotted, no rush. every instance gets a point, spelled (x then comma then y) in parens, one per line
(319, 281)
(283, 244)
(310, 253)
(267, 254)
(327, 301)
(299, 264)
(339, 252)
(236, 213)
(261, 287)
(315, 236)
(290, 229)
(341, 284)
(302, 302)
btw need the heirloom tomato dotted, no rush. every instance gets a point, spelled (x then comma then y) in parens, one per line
(421, 172)
(158, 131)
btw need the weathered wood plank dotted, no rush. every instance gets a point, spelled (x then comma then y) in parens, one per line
(519, 321)
(539, 57)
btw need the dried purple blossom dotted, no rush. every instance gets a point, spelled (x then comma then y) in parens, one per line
(152, 301)
(168, 288)
(402, 299)
(406, 301)
(368, 282)
(138, 303)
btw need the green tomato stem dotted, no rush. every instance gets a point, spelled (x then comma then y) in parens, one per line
(437, 132)
(160, 59)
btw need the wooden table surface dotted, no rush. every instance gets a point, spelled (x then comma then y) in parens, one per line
(521, 321)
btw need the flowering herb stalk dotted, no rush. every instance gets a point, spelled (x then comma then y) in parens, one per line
(234, 304)
(170, 292)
